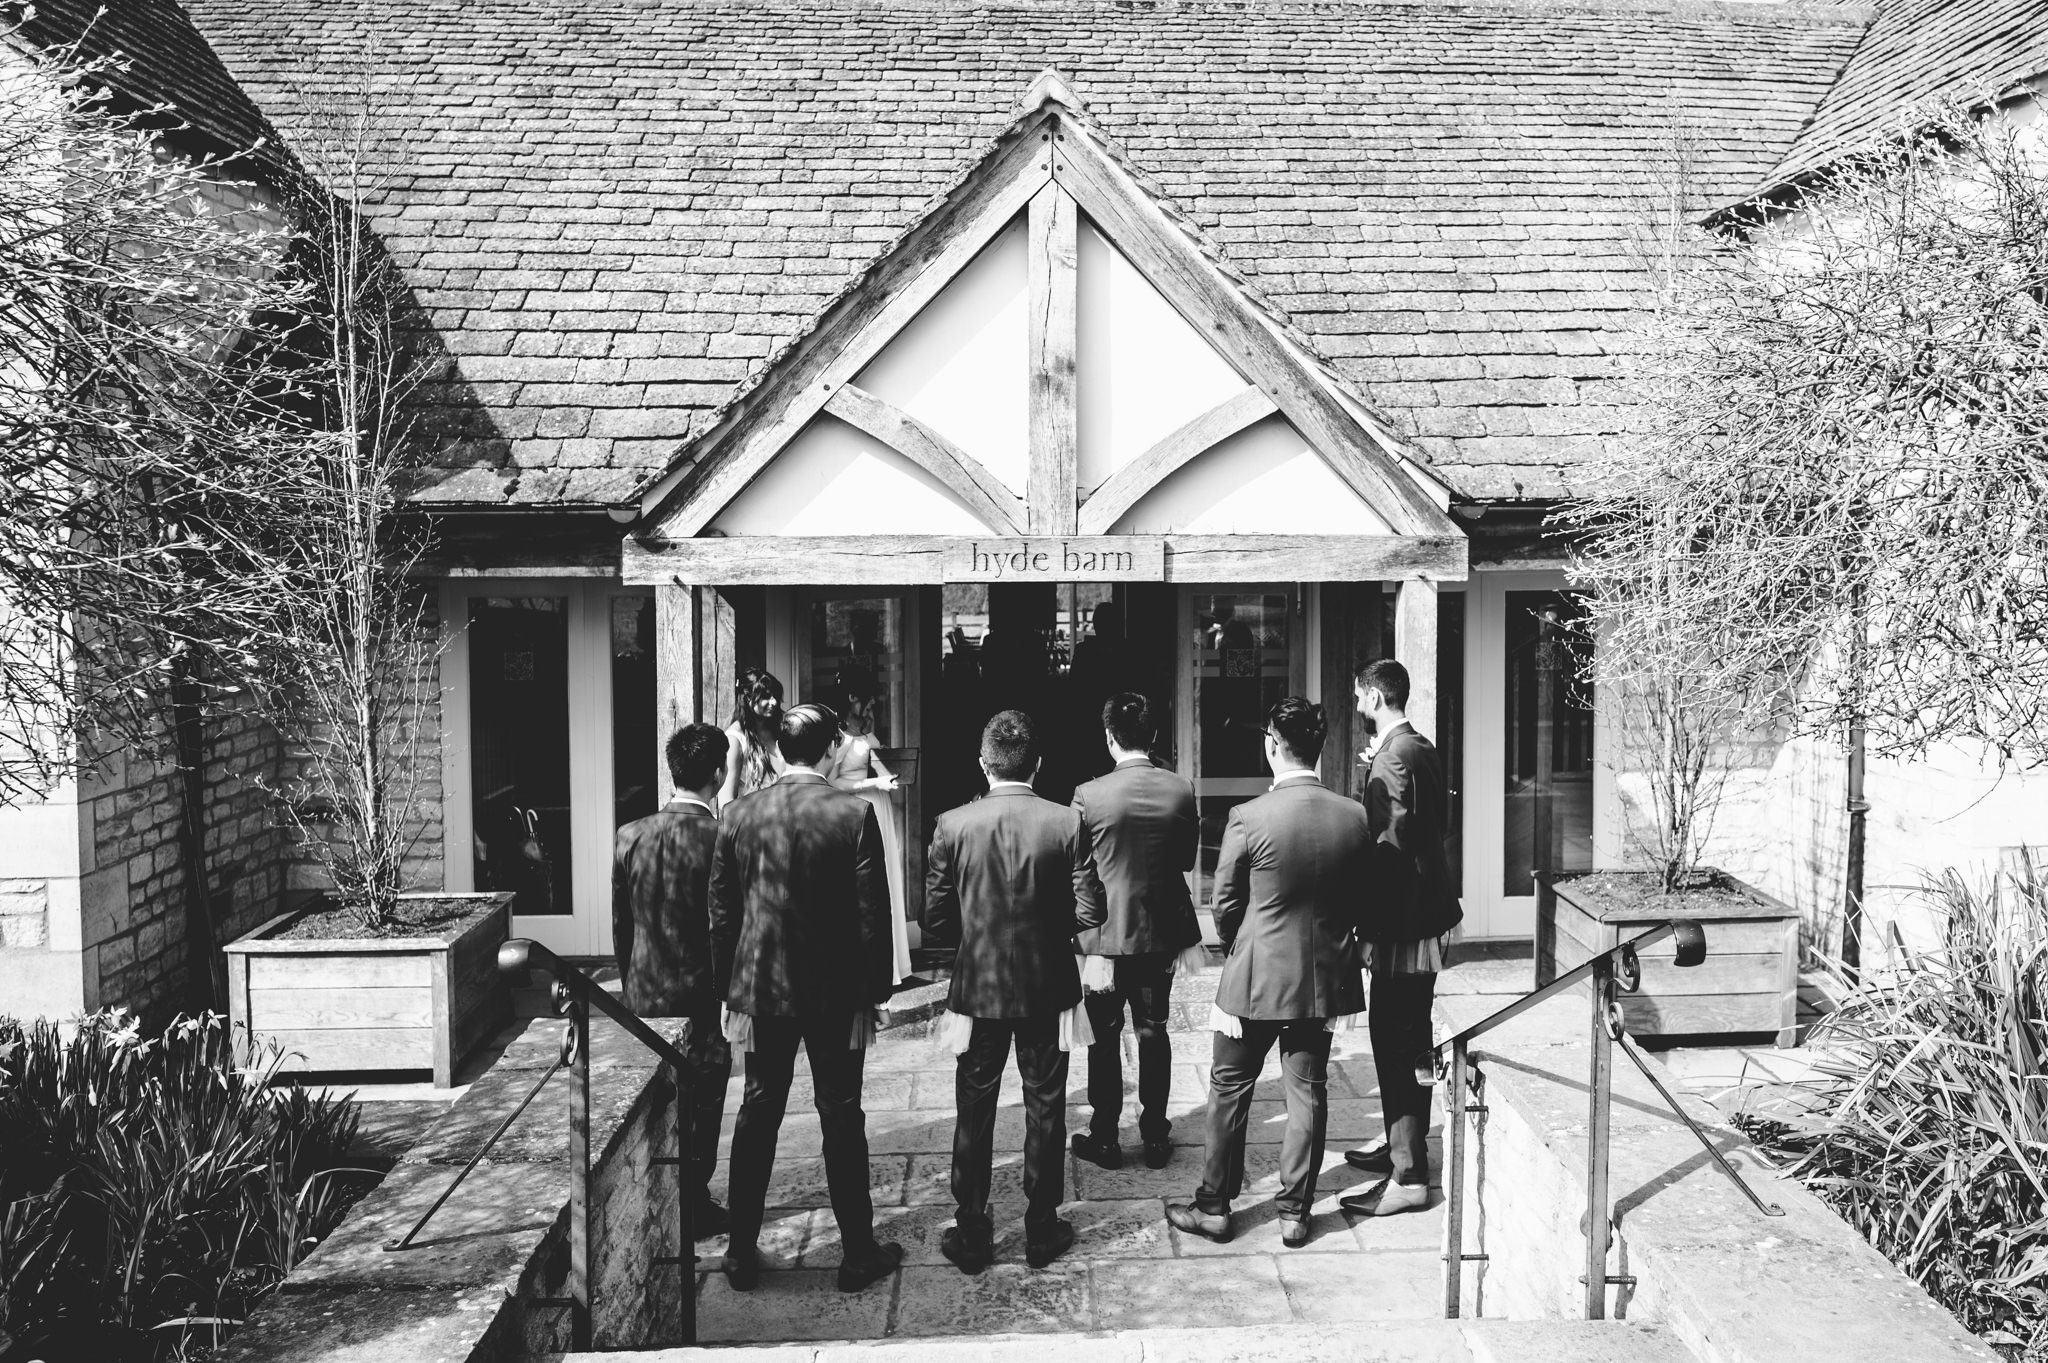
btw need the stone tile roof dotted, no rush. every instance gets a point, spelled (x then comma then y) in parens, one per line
(162, 62)
(613, 214)
(1917, 51)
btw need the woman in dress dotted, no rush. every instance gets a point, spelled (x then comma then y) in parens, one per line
(860, 771)
(752, 759)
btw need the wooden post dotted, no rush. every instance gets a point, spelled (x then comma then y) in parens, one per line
(1052, 501)
(676, 698)
(1415, 647)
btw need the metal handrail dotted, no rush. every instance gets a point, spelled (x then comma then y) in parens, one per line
(1617, 968)
(574, 993)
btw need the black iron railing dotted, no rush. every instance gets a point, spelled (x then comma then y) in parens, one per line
(1617, 969)
(574, 994)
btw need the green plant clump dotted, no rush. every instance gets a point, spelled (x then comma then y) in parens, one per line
(151, 1190)
(1928, 1124)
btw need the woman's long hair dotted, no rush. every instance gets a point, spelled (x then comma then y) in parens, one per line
(747, 691)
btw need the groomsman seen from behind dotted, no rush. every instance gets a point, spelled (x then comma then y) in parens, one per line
(800, 925)
(1407, 918)
(1009, 876)
(1138, 823)
(661, 930)
(1288, 876)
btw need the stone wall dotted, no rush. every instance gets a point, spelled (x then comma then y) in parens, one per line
(1735, 1285)
(481, 1283)
(133, 930)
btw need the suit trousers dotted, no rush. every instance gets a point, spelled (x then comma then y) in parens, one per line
(709, 1069)
(979, 1074)
(1398, 1020)
(1144, 984)
(1304, 1082)
(836, 1082)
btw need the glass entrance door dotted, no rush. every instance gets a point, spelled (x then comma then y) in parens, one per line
(547, 694)
(1244, 651)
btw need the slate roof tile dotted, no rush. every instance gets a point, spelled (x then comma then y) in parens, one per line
(1426, 191)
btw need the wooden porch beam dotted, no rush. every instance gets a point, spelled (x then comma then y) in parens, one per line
(1119, 492)
(863, 560)
(1053, 273)
(965, 477)
(676, 698)
(1415, 647)
(1203, 294)
(850, 334)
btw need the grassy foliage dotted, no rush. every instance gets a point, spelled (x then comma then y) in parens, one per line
(152, 1190)
(1928, 1129)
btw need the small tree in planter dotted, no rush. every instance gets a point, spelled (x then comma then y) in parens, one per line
(351, 678)
(1675, 703)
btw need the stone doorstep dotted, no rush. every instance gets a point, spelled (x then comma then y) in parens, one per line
(1473, 1341)
(1746, 1288)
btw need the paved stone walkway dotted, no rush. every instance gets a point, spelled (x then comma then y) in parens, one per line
(1129, 1270)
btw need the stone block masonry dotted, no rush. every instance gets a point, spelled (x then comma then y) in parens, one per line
(483, 1281)
(1734, 1285)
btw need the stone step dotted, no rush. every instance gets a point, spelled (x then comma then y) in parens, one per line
(1422, 1341)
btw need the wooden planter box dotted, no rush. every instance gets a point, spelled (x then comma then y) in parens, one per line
(375, 1003)
(1749, 982)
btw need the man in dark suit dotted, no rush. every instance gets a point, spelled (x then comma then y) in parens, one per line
(1287, 879)
(1139, 826)
(1009, 877)
(661, 931)
(1410, 907)
(800, 932)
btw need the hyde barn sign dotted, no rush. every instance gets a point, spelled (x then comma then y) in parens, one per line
(1100, 558)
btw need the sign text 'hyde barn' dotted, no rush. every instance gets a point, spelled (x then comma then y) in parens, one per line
(1088, 558)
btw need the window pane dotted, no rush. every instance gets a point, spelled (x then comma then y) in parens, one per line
(1549, 738)
(519, 749)
(1242, 667)
(635, 744)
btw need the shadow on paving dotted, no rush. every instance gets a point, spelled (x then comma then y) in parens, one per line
(1128, 1268)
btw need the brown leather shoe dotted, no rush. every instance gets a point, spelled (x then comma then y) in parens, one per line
(1293, 1234)
(1192, 1219)
(1387, 1199)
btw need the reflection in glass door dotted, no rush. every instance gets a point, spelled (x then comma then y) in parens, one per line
(519, 750)
(1548, 774)
(1244, 653)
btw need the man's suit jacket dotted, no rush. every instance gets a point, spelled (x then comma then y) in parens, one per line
(1410, 895)
(1009, 876)
(661, 911)
(1138, 824)
(1287, 883)
(800, 901)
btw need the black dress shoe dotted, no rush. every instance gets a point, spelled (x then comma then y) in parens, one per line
(1192, 1219)
(1158, 1154)
(709, 1219)
(1377, 1158)
(1103, 1154)
(1041, 1249)
(969, 1251)
(861, 1267)
(743, 1271)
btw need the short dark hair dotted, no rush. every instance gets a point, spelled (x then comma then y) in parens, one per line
(1299, 725)
(695, 753)
(1388, 678)
(1127, 718)
(1009, 746)
(807, 733)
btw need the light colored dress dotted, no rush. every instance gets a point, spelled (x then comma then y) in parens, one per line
(856, 763)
